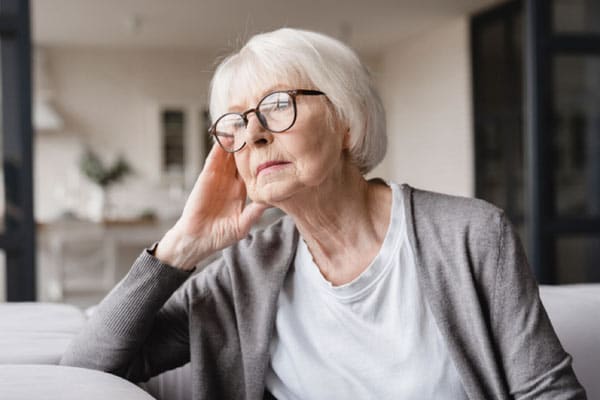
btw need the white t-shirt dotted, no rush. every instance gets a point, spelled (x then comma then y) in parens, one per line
(372, 338)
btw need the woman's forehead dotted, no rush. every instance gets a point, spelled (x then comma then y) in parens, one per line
(242, 100)
(245, 95)
(251, 78)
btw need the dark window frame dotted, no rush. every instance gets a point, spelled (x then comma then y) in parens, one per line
(18, 238)
(502, 13)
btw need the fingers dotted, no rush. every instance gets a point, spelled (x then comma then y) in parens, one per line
(212, 159)
(219, 164)
(218, 160)
(250, 215)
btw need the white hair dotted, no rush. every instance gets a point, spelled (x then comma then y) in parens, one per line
(294, 56)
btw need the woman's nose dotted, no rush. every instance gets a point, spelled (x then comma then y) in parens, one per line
(256, 134)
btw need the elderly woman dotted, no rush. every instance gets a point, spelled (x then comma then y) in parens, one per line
(365, 290)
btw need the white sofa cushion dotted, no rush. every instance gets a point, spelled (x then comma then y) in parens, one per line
(37, 333)
(53, 382)
(575, 314)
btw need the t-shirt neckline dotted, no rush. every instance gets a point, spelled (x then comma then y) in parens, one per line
(378, 267)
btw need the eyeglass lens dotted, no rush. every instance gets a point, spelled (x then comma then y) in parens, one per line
(275, 112)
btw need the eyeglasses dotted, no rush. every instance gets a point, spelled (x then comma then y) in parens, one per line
(276, 112)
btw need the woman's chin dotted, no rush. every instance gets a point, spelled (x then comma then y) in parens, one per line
(271, 199)
(273, 194)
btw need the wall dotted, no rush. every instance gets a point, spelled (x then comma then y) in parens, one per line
(425, 86)
(109, 99)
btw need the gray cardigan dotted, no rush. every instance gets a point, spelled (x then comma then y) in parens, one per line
(472, 270)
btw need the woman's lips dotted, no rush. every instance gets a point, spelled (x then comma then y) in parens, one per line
(270, 165)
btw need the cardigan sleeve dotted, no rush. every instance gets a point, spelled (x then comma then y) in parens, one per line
(536, 365)
(140, 328)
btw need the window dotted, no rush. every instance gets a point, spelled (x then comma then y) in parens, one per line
(183, 136)
(542, 167)
(173, 124)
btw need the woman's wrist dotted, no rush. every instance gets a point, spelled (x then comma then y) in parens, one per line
(179, 251)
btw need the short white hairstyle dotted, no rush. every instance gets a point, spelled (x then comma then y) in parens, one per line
(294, 56)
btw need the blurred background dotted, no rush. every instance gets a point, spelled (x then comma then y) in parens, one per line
(104, 120)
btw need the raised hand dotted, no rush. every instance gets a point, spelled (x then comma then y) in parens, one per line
(215, 214)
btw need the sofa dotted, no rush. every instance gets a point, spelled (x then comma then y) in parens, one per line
(34, 335)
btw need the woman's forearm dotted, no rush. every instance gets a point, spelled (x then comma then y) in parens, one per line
(116, 335)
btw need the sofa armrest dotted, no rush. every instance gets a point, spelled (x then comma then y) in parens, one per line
(25, 382)
(175, 384)
(575, 314)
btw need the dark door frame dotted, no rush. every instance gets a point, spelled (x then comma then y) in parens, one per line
(17, 239)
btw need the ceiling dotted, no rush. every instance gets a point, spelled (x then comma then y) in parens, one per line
(367, 25)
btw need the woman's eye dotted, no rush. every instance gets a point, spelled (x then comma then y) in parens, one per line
(282, 105)
(279, 103)
(278, 106)
(239, 125)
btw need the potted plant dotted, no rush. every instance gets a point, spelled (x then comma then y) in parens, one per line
(104, 176)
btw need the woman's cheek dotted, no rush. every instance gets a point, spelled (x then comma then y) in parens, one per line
(242, 167)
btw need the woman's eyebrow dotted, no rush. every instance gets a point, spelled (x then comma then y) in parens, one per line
(274, 88)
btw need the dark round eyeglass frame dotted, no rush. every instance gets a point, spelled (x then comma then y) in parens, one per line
(261, 119)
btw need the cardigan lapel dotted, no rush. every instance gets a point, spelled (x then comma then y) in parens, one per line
(446, 300)
(256, 283)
